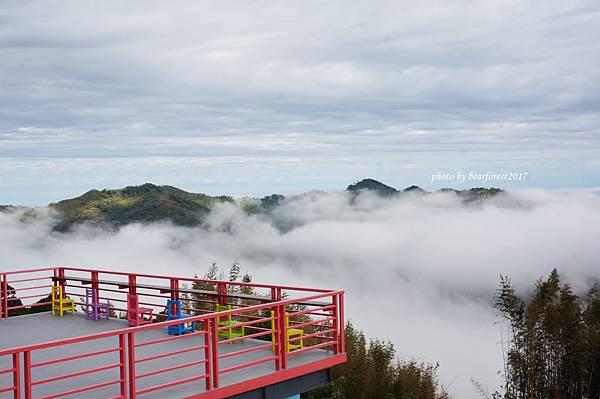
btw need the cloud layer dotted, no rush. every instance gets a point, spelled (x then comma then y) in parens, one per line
(432, 262)
(285, 92)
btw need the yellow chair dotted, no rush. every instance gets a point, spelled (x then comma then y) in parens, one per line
(230, 333)
(61, 304)
(291, 333)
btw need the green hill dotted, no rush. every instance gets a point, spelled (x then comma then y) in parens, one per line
(372, 185)
(145, 203)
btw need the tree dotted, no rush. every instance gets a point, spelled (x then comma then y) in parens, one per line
(373, 372)
(13, 300)
(552, 346)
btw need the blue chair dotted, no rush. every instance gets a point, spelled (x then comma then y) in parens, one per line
(174, 313)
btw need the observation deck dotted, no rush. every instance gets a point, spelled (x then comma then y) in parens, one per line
(46, 357)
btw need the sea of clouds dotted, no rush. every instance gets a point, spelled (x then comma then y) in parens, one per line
(420, 271)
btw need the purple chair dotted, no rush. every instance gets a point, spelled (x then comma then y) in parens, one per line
(93, 307)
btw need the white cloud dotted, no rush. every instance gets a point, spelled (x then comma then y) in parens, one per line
(433, 262)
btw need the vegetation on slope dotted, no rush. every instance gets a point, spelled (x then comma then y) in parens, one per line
(374, 371)
(151, 203)
(263, 206)
(145, 203)
(372, 185)
(553, 342)
(383, 190)
(15, 301)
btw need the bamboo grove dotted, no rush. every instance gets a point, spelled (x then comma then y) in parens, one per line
(551, 342)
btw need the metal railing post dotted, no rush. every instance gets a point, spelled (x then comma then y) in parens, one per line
(17, 375)
(214, 350)
(5, 298)
(282, 336)
(335, 323)
(122, 366)
(174, 283)
(27, 374)
(342, 323)
(132, 284)
(207, 363)
(275, 337)
(131, 364)
(61, 281)
(95, 284)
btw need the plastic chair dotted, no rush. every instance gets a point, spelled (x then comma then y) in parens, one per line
(290, 333)
(174, 313)
(93, 307)
(223, 321)
(61, 304)
(135, 314)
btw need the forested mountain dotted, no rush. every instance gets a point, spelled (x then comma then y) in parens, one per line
(470, 195)
(145, 203)
(372, 185)
(152, 203)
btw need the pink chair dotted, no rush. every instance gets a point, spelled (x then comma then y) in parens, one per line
(135, 314)
(93, 307)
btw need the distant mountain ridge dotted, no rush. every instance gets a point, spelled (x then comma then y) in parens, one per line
(151, 203)
(469, 195)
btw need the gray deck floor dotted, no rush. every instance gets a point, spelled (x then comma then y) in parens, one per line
(42, 327)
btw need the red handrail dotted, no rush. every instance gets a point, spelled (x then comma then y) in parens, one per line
(327, 328)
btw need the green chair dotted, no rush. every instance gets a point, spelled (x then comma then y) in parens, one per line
(228, 320)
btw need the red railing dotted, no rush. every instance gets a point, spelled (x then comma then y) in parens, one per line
(318, 312)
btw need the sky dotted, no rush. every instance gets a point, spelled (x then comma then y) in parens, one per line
(251, 98)
(432, 262)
